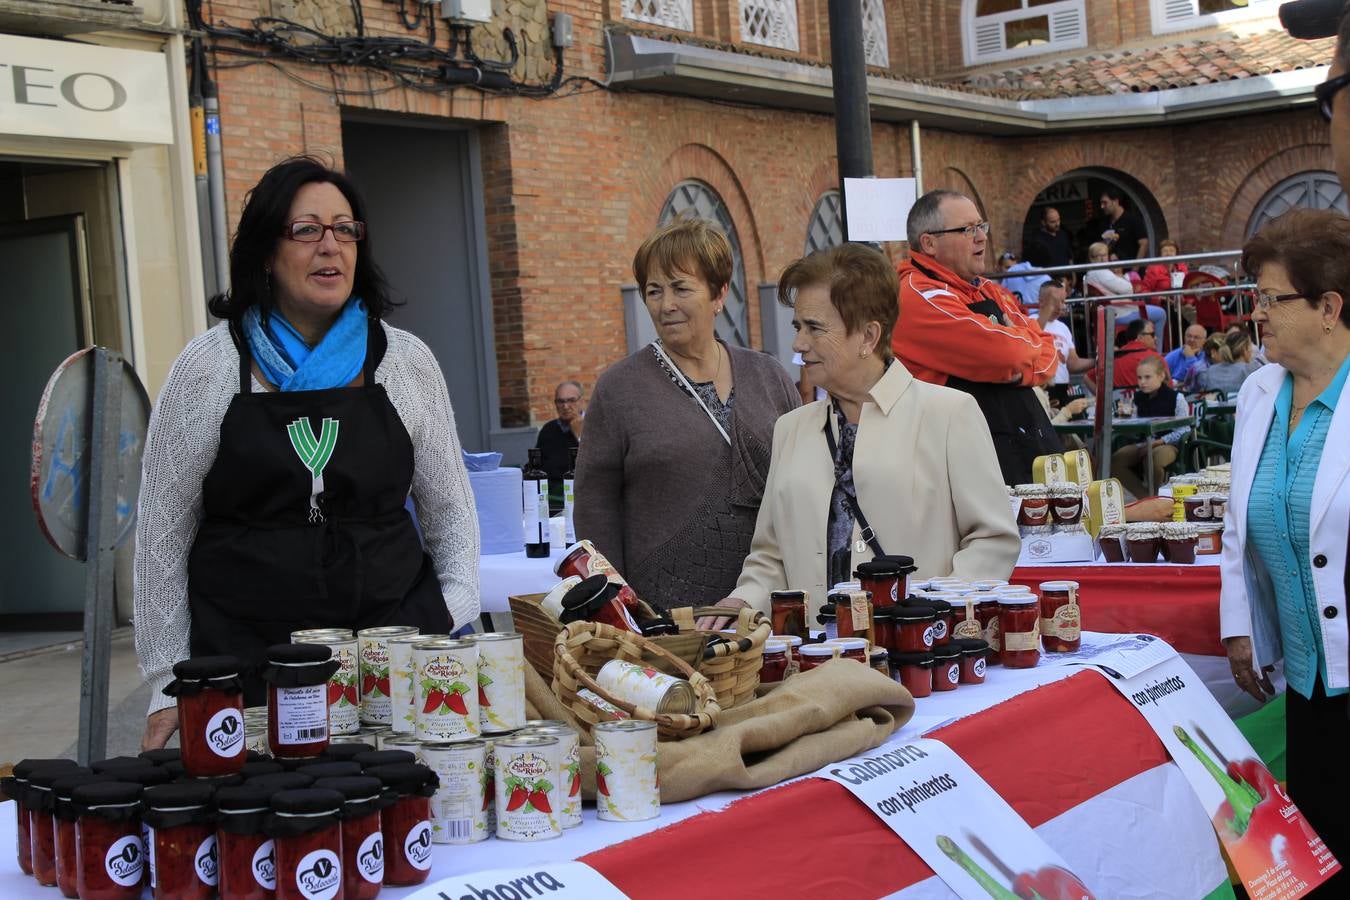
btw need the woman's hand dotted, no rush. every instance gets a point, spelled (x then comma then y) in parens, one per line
(712, 623)
(1244, 673)
(159, 727)
(1077, 405)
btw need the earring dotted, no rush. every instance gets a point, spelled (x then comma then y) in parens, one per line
(1327, 329)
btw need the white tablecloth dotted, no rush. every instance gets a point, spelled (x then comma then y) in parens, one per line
(502, 574)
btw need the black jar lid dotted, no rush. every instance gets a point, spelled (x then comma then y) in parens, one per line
(914, 612)
(215, 782)
(658, 626)
(881, 567)
(406, 778)
(207, 668)
(972, 646)
(946, 651)
(241, 798)
(584, 598)
(113, 763)
(307, 802)
(941, 607)
(283, 781)
(292, 763)
(385, 758)
(787, 595)
(64, 787)
(260, 767)
(906, 563)
(161, 756)
(146, 775)
(298, 654)
(43, 779)
(883, 613)
(825, 612)
(177, 795)
(331, 769)
(25, 767)
(175, 768)
(336, 752)
(911, 658)
(106, 793)
(353, 788)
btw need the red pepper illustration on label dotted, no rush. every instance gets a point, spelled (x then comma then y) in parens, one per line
(367, 685)
(483, 681)
(601, 770)
(1046, 883)
(531, 796)
(383, 682)
(434, 700)
(441, 697)
(574, 771)
(1259, 825)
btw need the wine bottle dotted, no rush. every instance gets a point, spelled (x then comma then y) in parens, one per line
(569, 497)
(534, 505)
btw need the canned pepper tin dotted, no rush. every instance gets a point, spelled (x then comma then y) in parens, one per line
(344, 702)
(627, 787)
(569, 769)
(403, 681)
(527, 787)
(459, 806)
(374, 659)
(645, 687)
(447, 695)
(501, 681)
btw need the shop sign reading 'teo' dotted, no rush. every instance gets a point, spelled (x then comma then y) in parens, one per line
(66, 89)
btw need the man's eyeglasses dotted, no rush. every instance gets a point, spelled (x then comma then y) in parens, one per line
(1265, 301)
(1326, 93)
(312, 232)
(566, 401)
(967, 230)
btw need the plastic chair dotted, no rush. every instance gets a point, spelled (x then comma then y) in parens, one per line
(1212, 436)
(1209, 308)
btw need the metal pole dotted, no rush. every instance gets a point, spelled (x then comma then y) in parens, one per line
(216, 174)
(852, 114)
(916, 156)
(100, 544)
(1106, 408)
(197, 114)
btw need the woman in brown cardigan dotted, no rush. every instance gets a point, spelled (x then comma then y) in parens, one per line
(670, 473)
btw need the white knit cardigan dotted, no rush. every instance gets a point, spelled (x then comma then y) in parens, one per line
(181, 448)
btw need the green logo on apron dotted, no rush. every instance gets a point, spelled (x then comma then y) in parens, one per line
(315, 454)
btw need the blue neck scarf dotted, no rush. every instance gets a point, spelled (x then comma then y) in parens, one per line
(292, 365)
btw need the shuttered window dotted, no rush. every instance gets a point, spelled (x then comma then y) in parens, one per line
(1008, 29)
(1179, 15)
(772, 23)
(874, 34)
(670, 13)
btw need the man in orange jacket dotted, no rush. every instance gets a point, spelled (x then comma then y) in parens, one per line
(962, 330)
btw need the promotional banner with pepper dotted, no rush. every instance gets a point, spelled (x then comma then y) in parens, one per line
(956, 823)
(1275, 852)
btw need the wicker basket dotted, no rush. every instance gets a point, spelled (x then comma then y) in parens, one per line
(582, 648)
(733, 667)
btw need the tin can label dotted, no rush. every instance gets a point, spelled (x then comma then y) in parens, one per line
(639, 685)
(376, 708)
(627, 788)
(459, 807)
(569, 771)
(606, 709)
(501, 684)
(447, 694)
(302, 714)
(344, 701)
(490, 784)
(527, 792)
(402, 687)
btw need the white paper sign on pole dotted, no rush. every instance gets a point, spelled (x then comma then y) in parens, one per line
(877, 207)
(1272, 847)
(956, 823)
(556, 881)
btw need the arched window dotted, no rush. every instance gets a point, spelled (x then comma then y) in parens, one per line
(670, 13)
(994, 30)
(1180, 15)
(875, 45)
(697, 199)
(1306, 190)
(772, 23)
(827, 228)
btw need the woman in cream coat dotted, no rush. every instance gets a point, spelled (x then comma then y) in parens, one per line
(916, 457)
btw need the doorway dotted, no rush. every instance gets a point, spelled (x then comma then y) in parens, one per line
(423, 192)
(1076, 195)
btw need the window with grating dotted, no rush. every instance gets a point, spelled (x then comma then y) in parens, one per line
(1306, 190)
(772, 23)
(694, 198)
(994, 30)
(670, 13)
(875, 47)
(827, 227)
(1179, 15)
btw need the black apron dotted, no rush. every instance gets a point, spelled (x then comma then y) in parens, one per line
(1017, 421)
(303, 520)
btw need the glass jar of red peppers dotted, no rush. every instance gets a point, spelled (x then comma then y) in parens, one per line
(946, 667)
(788, 613)
(597, 599)
(362, 840)
(914, 627)
(582, 560)
(407, 823)
(248, 863)
(210, 698)
(41, 825)
(1019, 626)
(883, 627)
(914, 671)
(884, 579)
(852, 612)
(974, 655)
(181, 841)
(1061, 619)
(944, 622)
(307, 833)
(817, 655)
(63, 814)
(111, 857)
(297, 698)
(16, 787)
(773, 667)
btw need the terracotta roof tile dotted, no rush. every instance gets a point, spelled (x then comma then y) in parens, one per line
(1194, 62)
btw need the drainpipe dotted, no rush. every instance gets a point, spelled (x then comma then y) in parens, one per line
(197, 116)
(215, 173)
(916, 156)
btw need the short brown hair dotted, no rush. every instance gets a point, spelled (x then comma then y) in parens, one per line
(686, 244)
(1168, 242)
(1153, 362)
(1313, 246)
(863, 287)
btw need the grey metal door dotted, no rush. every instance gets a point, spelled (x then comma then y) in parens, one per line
(418, 184)
(44, 319)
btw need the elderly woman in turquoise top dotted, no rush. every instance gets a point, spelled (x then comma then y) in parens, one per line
(1284, 546)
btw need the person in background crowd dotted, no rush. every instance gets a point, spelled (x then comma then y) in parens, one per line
(1136, 343)
(252, 525)
(1058, 245)
(1048, 312)
(1123, 229)
(1153, 397)
(1234, 365)
(1214, 350)
(1284, 564)
(1181, 360)
(1028, 287)
(558, 437)
(1161, 276)
(959, 329)
(1111, 282)
(670, 475)
(913, 461)
(1006, 260)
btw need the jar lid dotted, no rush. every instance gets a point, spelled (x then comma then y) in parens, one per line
(1018, 599)
(106, 793)
(972, 646)
(658, 626)
(298, 654)
(282, 781)
(181, 795)
(406, 778)
(26, 767)
(947, 651)
(1059, 585)
(773, 645)
(385, 758)
(161, 756)
(883, 613)
(260, 767)
(988, 584)
(846, 586)
(118, 762)
(825, 612)
(792, 640)
(819, 649)
(64, 787)
(1201, 529)
(787, 595)
(244, 798)
(911, 658)
(906, 563)
(145, 776)
(206, 668)
(848, 643)
(845, 597)
(940, 606)
(307, 802)
(881, 567)
(347, 751)
(1031, 490)
(914, 612)
(331, 769)
(878, 653)
(353, 788)
(43, 779)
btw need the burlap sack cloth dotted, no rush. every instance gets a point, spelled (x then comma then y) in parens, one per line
(832, 712)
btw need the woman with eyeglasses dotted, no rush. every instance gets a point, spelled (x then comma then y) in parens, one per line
(1284, 542)
(282, 450)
